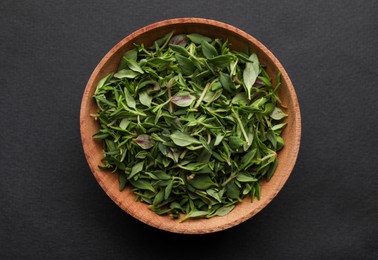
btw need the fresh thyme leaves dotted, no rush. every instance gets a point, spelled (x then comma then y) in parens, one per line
(191, 125)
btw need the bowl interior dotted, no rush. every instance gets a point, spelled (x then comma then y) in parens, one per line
(239, 39)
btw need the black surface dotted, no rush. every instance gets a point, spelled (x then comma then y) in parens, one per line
(51, 205)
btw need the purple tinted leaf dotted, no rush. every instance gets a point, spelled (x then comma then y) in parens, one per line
(179, 40)
(183, 99)
(144, 141)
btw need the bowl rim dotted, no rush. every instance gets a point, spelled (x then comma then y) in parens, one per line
(201, 21)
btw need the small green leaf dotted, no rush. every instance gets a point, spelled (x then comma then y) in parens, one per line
(179, 49)
(168, 189)
(161, 175)
(218, 139)
(221, 61)
(257, 104)
(131, 54)
(133, 65)
(202, 182)
(245, 178)
(272, 169)
(246, 160)
(223, 211)
(278, 126)
(142, 184)
(182, 139)
(198, 38)
(124, 123)
(214, 194)
(208, 50)
(158, 198)
(250, 73)
(122, 181)
(136, 169)
(193, 167)
(240, 99)
(235, 142)
(232, 191)
(278, 114)
(226, 82)
(145, 99)
(125, 73)
(258, 190)
(280, 142)
(130, 101)
(265, 80)
(186, 65)
(195, 214)
(103, 82)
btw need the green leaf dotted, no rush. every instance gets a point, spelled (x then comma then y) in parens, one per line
(272, 169)
(142, 184)
(183, 99)
(235, 142)
(165, 39)
(265, 80)
(130, 101)
(126, 73)
(186, 65)
(240, 99)
(136, 169)
(233, 191)
(280, 142)
(193, 167)
(133, 65)
(247, 159)
(198, 38)
(124, 123)
(245, 178)
(103, 82)
(168, 189)
(278, 126)
(169, 152)
(102, 99)
(277, 114)
(202, 182)
(158, 198)
(161, 175)
(223, 211)
(226, 82)
(218, 139)
(122, 181)
(257, 190)
(208, 50)
(179, 49)
(257, 104)
(221, 61)
(145, 98)
(195, 214)
(214, 194)
(250, 73)
(182, 139)
(131, 54)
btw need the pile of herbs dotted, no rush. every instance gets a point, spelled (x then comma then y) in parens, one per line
(191, 125)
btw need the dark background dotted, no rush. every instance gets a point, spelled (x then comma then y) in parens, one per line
(52, 207)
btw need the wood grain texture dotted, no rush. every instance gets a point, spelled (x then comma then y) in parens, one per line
(125, 199)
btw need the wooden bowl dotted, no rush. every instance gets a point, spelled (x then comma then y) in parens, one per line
(125, 199)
